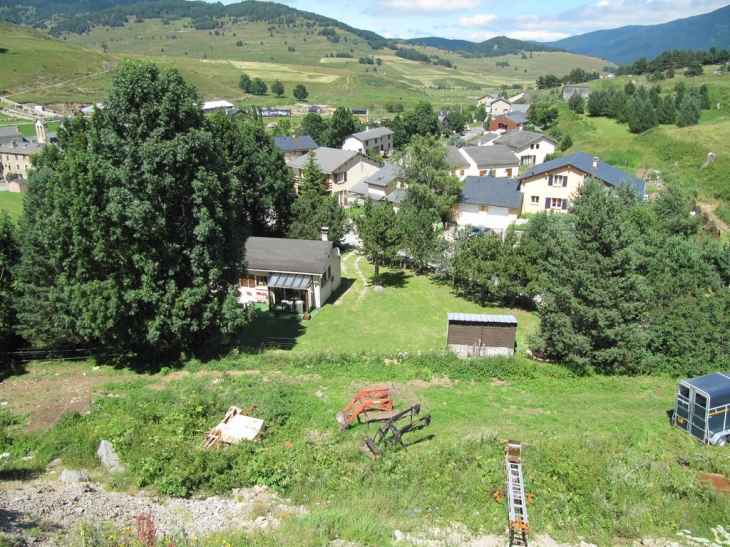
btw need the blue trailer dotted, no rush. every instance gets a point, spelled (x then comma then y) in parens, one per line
(703, 408)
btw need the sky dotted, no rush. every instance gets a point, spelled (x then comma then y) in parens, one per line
(479, 20)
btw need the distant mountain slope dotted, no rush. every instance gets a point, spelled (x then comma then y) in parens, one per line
(38, 12)
(627, 44)
(494, 47)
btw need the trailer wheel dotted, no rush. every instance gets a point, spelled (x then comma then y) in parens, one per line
(722, 441)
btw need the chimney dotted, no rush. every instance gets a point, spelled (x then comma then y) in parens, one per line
(325, 231)
(595, 162)
(12, 144)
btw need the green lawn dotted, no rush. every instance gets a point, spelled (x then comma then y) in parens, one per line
(408, 315)
(12, 203)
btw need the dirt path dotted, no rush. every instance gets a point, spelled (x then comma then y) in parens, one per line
(356, 271)
(709, 209)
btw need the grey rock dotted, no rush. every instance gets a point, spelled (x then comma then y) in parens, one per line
(72, 475)
(108, 456)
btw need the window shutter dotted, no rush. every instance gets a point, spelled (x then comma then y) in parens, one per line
(565, 204)
(547, 203)
(550, 180)
(565, 181)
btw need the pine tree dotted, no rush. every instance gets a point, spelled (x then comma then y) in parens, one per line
(376, 228)
(667, 111)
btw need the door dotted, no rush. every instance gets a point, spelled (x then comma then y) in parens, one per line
(682, 410)
(698, 415)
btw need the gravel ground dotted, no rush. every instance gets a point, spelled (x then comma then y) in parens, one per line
(41, 513)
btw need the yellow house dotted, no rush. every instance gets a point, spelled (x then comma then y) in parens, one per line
(551, 185)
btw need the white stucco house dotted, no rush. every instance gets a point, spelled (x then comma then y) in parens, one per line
(378, 138)
(529, 146)
(488, 202)
(481, 161)
(282, 272)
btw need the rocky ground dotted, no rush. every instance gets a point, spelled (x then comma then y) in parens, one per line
(47, 513)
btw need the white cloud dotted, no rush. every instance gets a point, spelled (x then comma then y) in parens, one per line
(428, 7)
(477, 21)
(537, 35)
(482, 36)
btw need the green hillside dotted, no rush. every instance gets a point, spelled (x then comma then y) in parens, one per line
(215, 59)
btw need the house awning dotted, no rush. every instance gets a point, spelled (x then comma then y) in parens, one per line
(289, 281)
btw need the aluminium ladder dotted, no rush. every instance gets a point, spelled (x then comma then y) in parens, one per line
(519, 525)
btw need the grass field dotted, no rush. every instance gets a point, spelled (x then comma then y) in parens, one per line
(408, 315)
(12, 203)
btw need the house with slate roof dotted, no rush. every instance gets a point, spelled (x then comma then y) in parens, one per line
(384, 184)
(15, 155)
(508, 122)
(343, 169)
(488, 202)
(290, 274)
(10, 134)
(530, 147)
(552, 184)
(378, 138)
(480, 161)
(295, 146)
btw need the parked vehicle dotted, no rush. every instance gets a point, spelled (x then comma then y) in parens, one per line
(703, 408)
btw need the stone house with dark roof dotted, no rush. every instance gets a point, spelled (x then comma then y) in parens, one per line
(10, 134)
(295, 146)
(295, 275)
(552, 184)
(488, 202)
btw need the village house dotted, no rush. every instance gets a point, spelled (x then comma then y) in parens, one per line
(488, 202)
(498, 107)
(530, 147)
(343, 169)
(210, 107)
(295, 146)
(379, 139)
(10, 134)
(15, 156)
(384, 184)
(552, 184)
(508, 122)
(292, 275)
(480, 161)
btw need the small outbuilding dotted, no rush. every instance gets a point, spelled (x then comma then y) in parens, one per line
(703, 408)
(476, 335)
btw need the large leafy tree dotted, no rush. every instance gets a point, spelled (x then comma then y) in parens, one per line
(422, 120)
(340, 125)
(277, 88)
(264, 181)
(300, 92)
(376, 227)
(314, 126)
(133, 235)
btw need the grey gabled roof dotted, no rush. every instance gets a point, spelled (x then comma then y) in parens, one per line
(455, 158)
(384, 176)
(23, 148)
(10, 131)
(482, 318)
(492, 156)
(516, 117)
(519, 107)
(287, 255)
(398, 195)
(499, 192)
(603, 171)
(290, 144)
(328, 159)
(372, 133)
(519, 140)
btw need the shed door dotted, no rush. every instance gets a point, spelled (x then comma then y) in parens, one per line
(682, 410)
(698, 412)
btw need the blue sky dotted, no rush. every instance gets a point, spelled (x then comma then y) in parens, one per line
(479, 20)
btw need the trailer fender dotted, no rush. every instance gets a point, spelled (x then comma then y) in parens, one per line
(720, 439)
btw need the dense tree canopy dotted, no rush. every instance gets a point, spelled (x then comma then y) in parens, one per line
(133, 234)
(9, 258)
(377, 229)
(300, 92)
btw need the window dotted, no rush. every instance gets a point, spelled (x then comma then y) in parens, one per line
(558, 180)
(262, 280)
(461, 173)
(341, 177)
(534, 200)
(556, 203)
(535, 146)
(527, 160)
(482, 173)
